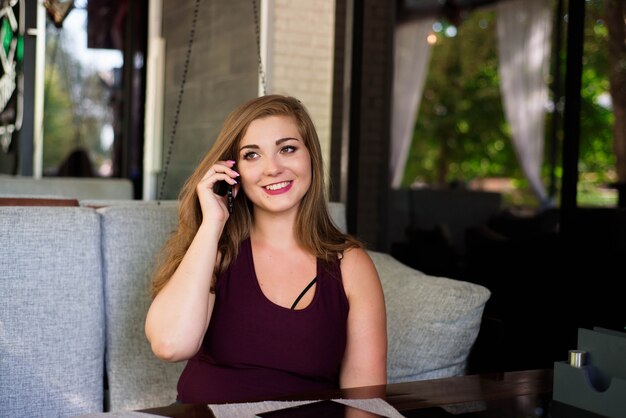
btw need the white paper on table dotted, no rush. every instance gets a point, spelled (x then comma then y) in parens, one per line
(250, 409)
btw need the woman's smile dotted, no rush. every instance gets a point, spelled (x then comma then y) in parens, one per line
(278, 188)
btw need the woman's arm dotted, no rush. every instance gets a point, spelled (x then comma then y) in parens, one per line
(365, 359)
(180, 313)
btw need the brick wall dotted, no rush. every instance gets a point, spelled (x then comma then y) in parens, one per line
(302, 36)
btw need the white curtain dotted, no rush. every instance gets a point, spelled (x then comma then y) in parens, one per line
(411, 59)
(524, 31)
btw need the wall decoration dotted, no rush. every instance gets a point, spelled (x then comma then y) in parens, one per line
(11, 70)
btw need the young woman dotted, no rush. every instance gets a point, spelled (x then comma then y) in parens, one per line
(271, 299)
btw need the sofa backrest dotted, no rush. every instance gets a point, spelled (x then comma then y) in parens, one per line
(69, 187)
(52, 315)
(337, 212)
(132, 236)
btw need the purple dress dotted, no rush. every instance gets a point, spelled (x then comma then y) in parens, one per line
(255, 349)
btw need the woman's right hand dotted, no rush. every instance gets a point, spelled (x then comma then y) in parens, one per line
(213, 205)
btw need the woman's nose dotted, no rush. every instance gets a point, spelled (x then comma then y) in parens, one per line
(272, 167)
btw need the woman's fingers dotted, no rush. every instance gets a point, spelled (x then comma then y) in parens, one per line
(211, 193)
(236, 190)
(220, 171)
(223, 167)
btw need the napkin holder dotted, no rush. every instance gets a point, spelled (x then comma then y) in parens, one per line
(598, 385)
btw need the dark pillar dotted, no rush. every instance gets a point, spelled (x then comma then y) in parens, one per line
(556, 97)
(571, 118)
(351, 190)
(25, 146)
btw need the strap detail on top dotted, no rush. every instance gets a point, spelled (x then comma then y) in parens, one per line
(306, 289)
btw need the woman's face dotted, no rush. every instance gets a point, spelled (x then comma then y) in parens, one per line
(274, 164)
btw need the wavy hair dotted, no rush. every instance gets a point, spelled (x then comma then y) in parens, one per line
(314, 229)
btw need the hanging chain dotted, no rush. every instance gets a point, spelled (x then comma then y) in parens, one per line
(257, 28)
(179, 103)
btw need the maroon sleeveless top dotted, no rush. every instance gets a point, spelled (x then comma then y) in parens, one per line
(255, 349)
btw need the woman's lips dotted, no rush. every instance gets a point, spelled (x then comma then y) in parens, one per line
(278, 188)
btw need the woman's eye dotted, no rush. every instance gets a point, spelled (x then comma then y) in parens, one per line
(250, 155)
(288, 149)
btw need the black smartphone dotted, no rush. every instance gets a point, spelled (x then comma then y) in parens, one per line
(223, 188)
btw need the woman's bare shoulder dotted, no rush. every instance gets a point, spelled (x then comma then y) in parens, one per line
(355, 255)
(358, 269)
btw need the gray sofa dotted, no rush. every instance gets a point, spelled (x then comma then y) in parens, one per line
(73, 284)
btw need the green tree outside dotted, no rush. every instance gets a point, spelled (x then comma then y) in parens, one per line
(461, 134)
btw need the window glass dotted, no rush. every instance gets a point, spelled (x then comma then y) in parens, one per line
(84, 64)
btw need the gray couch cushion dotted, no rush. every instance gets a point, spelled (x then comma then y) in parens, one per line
(52, 315)
(432, 322)
(132, 236)
(337, 211)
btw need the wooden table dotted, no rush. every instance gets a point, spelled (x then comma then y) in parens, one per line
(517, 394)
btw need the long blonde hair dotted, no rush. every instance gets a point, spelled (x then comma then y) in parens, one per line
(314, 229)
